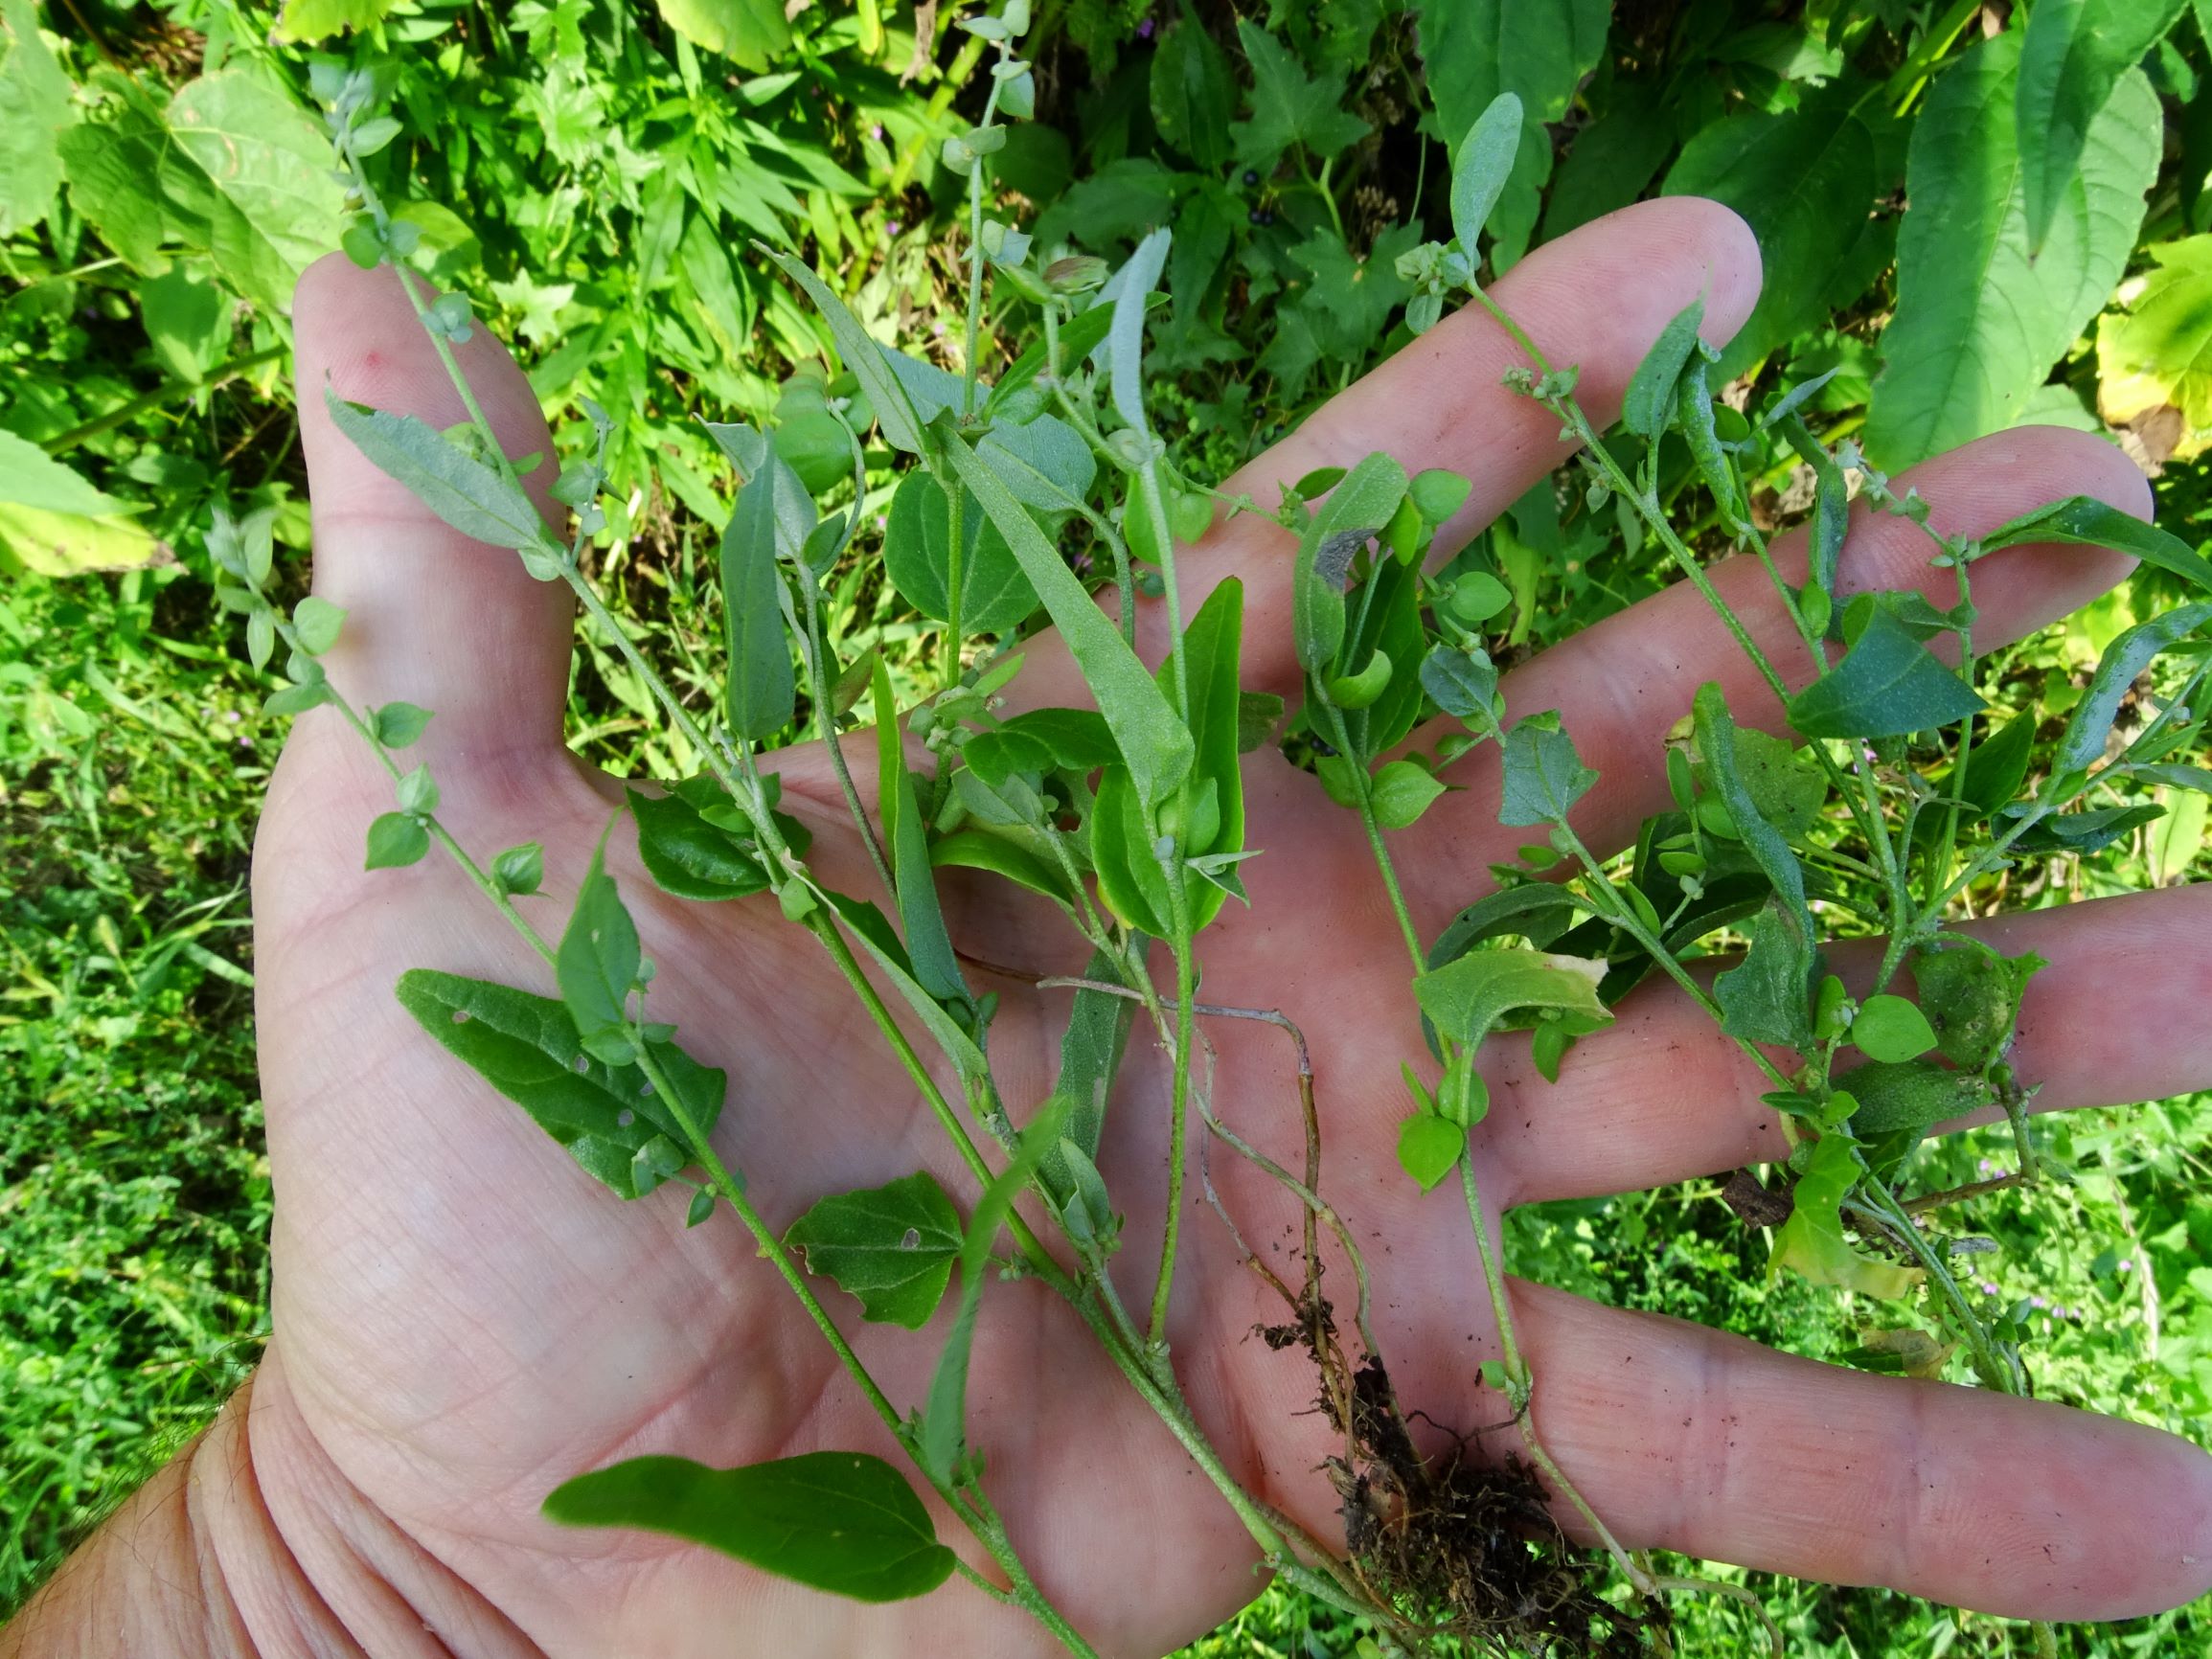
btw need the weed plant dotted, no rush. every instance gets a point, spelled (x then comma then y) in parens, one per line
(1124, 814)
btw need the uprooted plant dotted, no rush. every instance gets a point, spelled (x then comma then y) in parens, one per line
(1126, 819)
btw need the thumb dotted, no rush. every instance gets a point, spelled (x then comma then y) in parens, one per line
(432, 616)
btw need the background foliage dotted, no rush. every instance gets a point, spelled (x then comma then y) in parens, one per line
(1974, 215)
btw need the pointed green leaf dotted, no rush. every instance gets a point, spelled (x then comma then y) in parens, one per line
(1153, 743)
(842, 1522)
(396, 840)
(2082, 742)
(2085, 520)
(473, 497)
(1887, 685)
(1353, 513)
(944, 1437)
(1126, 340)
(1544, 775)
(597, 963)
(527, 1048)
(1768, 997)
(1812, 1241)
(1428, 1147)
(1466, 998)
(994, 594)
(762, 682)
(1648, 405)
(1911, 1095)
(1483, 166)
(1890, 1028)
(1971, 996)
(893, 411)
(891, 1246)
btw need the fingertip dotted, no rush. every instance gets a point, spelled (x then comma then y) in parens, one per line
(1700, 232)
(2101, 466)
(433, 617)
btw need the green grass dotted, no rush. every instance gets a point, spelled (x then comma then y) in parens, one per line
(134, 1189)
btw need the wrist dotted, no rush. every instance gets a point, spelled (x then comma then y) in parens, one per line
(250, 1544)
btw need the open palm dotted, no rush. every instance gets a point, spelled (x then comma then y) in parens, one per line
(464, 1319)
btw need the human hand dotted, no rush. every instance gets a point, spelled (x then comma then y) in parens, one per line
(464, 1320)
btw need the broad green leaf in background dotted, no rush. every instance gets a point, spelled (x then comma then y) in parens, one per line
(35, 110)
(527, 1048)
(30, 477)
(308, 20)
(749, 32)
(1803, 179)
(843, 1522)
(1290, 106)
(2158, 349)
(2082, 746)
(273, 206)
(2073, 56)
(121, 174)
(1191, 85)
(1887, 685)
(1483, 167)
(1153, 743)
(1979, 323)
(187, 320)
(53, 522)
(1539, 49)
(891, 1246)
(1612, 159)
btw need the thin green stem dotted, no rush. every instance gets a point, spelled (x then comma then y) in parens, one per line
(1999, 1370)
(826, 720)
(1180, 1096)
(165, 393)
(765, 1238)
(1364, 783)
(1623, 916)
(976, 264)
(956, 514)
(1520, 1384)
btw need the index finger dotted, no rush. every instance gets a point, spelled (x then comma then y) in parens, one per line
(1596, 298)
